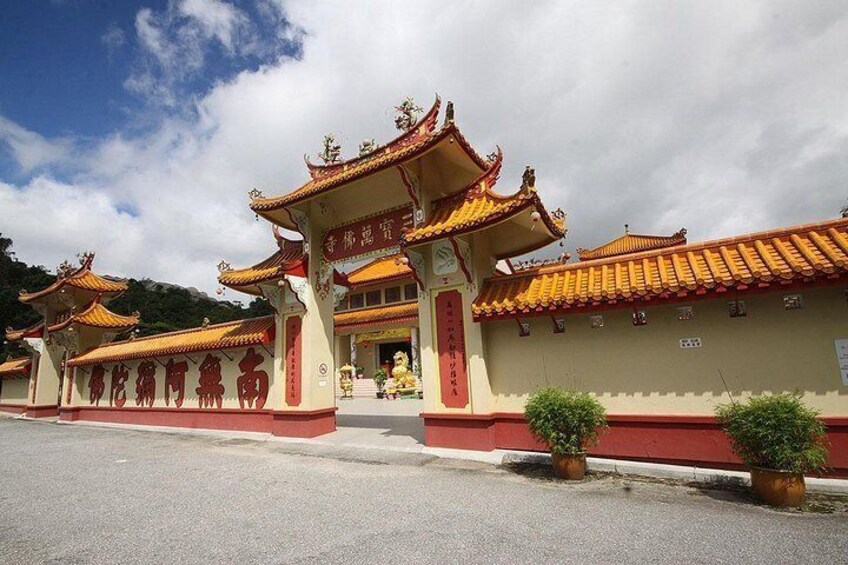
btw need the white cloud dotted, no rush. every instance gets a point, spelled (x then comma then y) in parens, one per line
(723, 118)
(31, 150)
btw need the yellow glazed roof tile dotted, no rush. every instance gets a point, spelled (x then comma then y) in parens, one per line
(96, 315)
(379, 315)
(240, 333)
(83, 279)
(799, 253)
(477, 206)
(288, 256)
(15, 367)
(380, 270)
(632, 243)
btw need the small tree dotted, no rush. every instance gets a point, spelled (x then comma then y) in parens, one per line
(775, 432)
(380, 378)
(567, 421)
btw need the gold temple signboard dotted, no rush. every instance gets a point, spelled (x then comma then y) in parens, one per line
(368, 235)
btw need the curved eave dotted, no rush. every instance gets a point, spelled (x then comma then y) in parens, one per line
(375, 317)
(36, 330)
(248, 280)
(16, 368)
(274, 209)
(99, 317)
(83, 280)
(422, 128)
(528, 235)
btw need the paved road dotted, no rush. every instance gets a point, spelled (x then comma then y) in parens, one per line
(73, 494)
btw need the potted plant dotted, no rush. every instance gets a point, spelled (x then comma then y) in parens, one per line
(567, 422)
(779, 439)
(380, 378)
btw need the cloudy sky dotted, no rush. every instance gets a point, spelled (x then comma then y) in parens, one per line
(136, 129)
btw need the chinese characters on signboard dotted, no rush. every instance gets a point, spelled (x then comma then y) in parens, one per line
(842, 358)
(293, 362)
(450, 337)
(365, 236)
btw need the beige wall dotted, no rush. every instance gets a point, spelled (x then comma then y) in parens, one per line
(643, 370)
(15, 391)
(229, 373)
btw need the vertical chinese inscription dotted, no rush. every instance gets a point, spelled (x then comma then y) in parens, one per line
(293, 364)
(450, 338)
(175, 374)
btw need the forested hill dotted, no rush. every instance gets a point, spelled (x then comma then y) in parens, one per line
(163, 307)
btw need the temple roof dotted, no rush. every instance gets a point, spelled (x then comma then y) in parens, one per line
(477, 206)
(95, 315)
(418, 140)
(395, 313)
(288, 259)
(240, 333)
(380, 270)
(82, 279)
(632, 243)
(19, 367)
(35, 330)
(800, 253)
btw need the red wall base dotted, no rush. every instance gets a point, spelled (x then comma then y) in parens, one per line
(679, 440)
(13, 408)
(300, 423)
(43, 411)
(223, 419)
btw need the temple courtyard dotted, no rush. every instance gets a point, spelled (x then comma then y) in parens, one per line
(81, 494)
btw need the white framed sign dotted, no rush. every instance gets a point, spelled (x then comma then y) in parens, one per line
(842, 358)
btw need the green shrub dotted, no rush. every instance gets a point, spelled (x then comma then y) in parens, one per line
(380, 378)
(567, 421)
(775, 432)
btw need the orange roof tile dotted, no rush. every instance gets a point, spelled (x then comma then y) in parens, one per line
(83, 279)
(425, 137)
(797, 253)
(374, 316)
(34, 330)
(632, 243)
(289, 256)
(16, 367)
(477, 206)
(380, 270)
(95, 315)
(240, 333)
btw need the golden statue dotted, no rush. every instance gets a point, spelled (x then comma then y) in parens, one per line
(403, 379)
(346, 381)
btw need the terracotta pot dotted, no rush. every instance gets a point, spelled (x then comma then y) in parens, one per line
(778, 488)
(569, 466)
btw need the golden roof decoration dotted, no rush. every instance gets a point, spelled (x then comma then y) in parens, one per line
(632, 243)
(16, 367)
(392, 314)
(81, 278)
(800, 253)
(407, 146)
(240, 333)
(380, 270)
(35, 330)
(288, 257)
(477, 206)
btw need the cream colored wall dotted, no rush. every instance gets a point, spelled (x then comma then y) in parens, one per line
(15, 391)
(643, 370)
(229, 373)
(49, 375)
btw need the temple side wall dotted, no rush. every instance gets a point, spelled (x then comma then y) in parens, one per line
(644, 370)
(661, 397)
(15, 391)
(229, 374)
(47, 380)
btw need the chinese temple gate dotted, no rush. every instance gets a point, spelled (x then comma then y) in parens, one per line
(408, 246)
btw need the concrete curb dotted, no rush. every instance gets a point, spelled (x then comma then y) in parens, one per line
(687, 473)
(677, 472)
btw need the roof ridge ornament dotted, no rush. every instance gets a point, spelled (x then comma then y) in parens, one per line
(65, 269)
(223, 266)
(449, 113)
(331, 152)
(86, 258)
(367, 147)
(528, 179)
(255, 194)
(408, 112)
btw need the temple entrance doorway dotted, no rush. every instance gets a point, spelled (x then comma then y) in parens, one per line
(386, 353)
